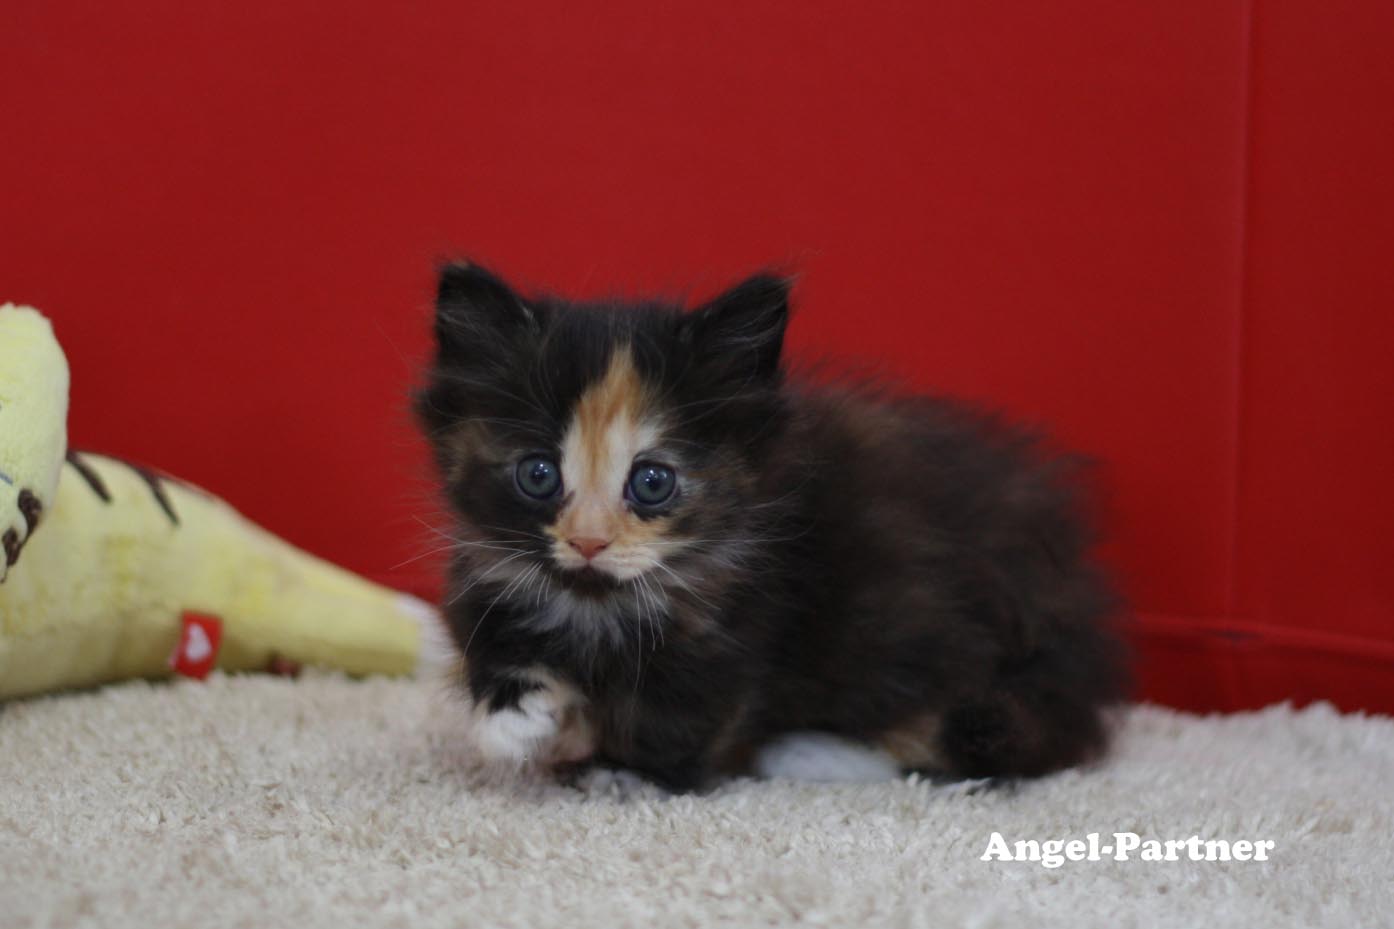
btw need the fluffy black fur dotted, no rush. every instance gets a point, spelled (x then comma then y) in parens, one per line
(906, 572)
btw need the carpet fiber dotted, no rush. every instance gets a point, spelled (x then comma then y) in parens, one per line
(325, 802)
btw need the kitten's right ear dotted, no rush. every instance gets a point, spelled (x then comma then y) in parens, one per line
(474, 309)
(741, 332)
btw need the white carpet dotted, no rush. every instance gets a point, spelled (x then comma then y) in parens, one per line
(325, 802)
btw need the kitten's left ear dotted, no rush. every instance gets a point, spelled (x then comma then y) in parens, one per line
(477, 314)
(743, 329)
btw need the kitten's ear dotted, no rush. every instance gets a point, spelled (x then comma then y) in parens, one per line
(743, 329)
(474, 310)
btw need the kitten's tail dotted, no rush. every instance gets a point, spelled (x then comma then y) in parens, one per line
(1046, 715)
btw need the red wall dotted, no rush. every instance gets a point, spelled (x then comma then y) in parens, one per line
(1164, 230)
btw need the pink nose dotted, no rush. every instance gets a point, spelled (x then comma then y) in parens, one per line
(589, 548)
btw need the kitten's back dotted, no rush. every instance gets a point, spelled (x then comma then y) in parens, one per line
(950, 610)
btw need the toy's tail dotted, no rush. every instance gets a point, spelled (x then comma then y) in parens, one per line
(436, 653)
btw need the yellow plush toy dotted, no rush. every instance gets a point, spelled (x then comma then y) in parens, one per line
(112, 571)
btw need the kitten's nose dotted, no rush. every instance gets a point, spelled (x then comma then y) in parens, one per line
(589, 547)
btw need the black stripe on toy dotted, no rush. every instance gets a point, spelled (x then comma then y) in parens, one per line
(93, 479)
(157, 490)
(31, 509)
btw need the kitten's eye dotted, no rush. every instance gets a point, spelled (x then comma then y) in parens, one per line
(538, 477)
(651, 484)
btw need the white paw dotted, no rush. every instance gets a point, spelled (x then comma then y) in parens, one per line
(614, 782)
(818, 756)
(521, 735)
(548, 726)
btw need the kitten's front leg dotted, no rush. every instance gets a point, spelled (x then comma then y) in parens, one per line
(529, 715)
(685, 728)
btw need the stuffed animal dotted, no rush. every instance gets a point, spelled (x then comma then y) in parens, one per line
(114, 571)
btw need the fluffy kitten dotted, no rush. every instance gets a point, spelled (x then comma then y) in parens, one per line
(670, 556)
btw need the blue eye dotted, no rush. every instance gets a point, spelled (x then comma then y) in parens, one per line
(651, 484)
(538, 477)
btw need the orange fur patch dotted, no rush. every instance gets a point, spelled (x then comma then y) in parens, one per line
(607, 431)
(613, 405)
(914, 743)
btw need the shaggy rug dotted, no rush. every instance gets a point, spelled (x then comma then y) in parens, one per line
(259, 801)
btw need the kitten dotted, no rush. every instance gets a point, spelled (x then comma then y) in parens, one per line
(670, 556)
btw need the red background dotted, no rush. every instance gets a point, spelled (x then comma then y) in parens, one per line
(1165, 231)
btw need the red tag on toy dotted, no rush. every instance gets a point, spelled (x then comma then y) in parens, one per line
(198, 645)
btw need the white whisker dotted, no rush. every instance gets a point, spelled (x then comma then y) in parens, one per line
(684, 585)
(482, 577)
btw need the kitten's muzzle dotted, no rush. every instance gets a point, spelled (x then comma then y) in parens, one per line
(587, 581)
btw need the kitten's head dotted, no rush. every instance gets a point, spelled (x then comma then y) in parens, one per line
(593, 444)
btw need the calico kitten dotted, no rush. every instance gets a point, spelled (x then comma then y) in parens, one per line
(670, 555)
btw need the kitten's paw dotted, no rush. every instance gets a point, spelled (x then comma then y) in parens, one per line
(517, 735)
(621, 783)
(820, 757)
(547, 726)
